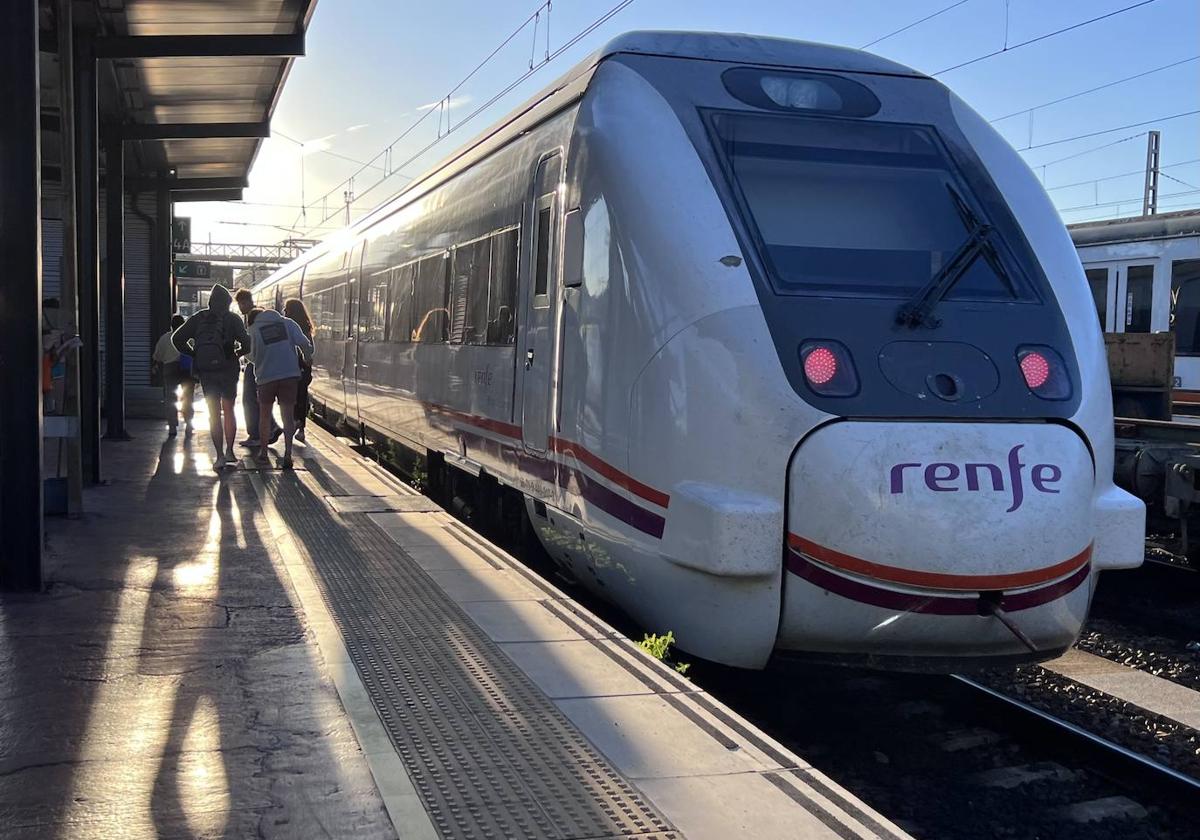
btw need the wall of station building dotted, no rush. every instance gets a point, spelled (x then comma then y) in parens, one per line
(139, 343)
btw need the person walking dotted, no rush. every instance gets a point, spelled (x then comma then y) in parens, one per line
(245, 302)
(176, 373)
(295, 309)
(214, 338)
(276, 345)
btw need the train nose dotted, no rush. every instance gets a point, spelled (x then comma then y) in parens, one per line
(923, 539)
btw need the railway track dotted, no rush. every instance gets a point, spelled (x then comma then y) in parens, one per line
(1102, 755)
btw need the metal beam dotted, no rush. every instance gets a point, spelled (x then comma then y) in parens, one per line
(20, 301)
(194, 131)
(69, 276)
(87, 232)
(177, 184)
(200, 46)
(161, 307)
(114, 287)
(181, 196)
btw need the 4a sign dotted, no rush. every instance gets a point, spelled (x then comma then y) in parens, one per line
(181, 235)
(192, 270)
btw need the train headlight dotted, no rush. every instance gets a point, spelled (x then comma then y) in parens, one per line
(1044, 372)
(828, 368)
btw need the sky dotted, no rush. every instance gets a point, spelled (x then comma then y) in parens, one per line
(375, 71)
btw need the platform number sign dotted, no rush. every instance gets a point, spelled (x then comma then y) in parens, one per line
(181, 235)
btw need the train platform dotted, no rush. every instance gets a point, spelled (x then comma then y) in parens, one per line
(325, 653)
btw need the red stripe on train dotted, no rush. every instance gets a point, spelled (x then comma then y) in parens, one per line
(936, 580)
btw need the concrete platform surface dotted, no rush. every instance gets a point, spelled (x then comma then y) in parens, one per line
(166, 684)
(323, 653)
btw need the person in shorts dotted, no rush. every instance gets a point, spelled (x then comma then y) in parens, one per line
(276, 345)
(214, 338)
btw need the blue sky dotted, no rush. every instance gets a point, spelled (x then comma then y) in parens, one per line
(374, 67)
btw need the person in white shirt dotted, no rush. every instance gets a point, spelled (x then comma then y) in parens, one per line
(176, 373)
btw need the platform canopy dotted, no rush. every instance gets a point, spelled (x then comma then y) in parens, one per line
(200, 80)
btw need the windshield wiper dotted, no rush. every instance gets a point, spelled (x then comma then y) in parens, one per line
(918, 312)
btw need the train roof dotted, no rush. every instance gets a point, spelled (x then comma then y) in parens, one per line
(751, 49)
(1136, 228)
(706, 46)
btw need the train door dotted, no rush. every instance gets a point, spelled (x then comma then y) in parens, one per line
(350, 349)
(535, 341)
(1125, 297)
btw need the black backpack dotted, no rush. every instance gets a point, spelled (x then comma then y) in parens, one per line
(212, 345)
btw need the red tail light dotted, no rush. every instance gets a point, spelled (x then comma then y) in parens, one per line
(820, 366)
(828, 368)
(1036, 370)
(1044, 372)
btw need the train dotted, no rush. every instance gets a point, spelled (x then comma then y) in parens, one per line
(776, 345)
(1144, 274)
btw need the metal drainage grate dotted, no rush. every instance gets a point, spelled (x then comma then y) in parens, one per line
(491, 756)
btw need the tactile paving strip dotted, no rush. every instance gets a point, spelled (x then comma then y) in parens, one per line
(491, 756)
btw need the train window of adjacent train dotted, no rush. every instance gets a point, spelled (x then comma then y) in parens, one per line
(1098, 281)
(1185, 305)
(431, 301)
(400, 294)
(502, 290)
(541, 265)
(842, 207)
(1139, 285)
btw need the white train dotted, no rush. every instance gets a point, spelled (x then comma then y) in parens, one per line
(1144, 274)
(780, 345)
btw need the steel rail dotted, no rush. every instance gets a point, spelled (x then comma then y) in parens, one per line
(1106, 757)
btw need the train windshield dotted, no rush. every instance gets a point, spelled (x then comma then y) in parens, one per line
(848, 207)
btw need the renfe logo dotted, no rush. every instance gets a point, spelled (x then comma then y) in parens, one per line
(943, 477)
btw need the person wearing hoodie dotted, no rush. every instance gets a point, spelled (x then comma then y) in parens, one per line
(214, 338)
(274, 341)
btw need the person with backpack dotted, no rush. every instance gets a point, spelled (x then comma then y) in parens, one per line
(276, 346)
(176, 373)
(215, 337)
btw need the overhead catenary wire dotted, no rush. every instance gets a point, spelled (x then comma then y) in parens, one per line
(1017, 46)
(579, 36)
(914, 23)
(442, 105)
(1102, 132)
(1128, 174)
(1113, 83)
(1131, 200)
(1177, 180)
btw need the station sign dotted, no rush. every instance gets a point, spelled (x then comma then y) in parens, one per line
(192, 270)
(181, 235)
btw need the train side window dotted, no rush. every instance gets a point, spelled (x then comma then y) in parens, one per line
(1098, 280)
(400, 294)
(316, 313)
(541, 265)
(1185, 305)
(472, 262)
(459, 293)
(377, 304)
(1140, 291)
(431, 301)
(502, 288)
